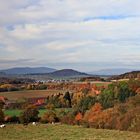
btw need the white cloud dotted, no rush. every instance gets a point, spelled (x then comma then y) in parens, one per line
(70, 31)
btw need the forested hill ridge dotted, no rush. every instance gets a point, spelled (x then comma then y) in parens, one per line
(128, 75)
(67, 73)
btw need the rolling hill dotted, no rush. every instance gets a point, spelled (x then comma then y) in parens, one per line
(67, 73)
(128, 75)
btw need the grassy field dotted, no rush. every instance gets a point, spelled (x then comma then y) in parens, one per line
(16, 95)
(16, 112)
(62, 132)
(97, 83)
(13, 112)
(101, 84)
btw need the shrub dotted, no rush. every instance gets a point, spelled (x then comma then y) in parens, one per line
(62, 113)
(30, 114)
(50, 106)
(78, 118)
(135, 124)
(131, 120)
(85, 124)
(11, 119)
(68, 119)
(49, 117)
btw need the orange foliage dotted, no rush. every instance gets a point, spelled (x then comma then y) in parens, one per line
(92, 114)
(78, 117)
(97, 107)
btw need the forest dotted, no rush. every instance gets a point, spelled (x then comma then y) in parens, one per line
(114, 105)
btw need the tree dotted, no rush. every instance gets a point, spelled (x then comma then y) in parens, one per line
(116, 92)
(85, 104)
(30, 114)
(67, 97)
(106, 98)
(1, 116)
(55, 100)
(124, 91)
(92, 114)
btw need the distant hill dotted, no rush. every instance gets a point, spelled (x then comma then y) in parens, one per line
(128, 75)
(2, 73)
(111, 71)
(27, 70)
(67, 73)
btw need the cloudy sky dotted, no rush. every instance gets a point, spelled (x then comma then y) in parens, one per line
(86, 35)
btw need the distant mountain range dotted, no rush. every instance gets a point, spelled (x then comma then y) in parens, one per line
(27, 70)
(111, 71)
(41, 73)
(46, 73)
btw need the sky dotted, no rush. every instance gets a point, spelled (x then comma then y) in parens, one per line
(85, 35)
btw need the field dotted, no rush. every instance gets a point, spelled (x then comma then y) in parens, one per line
(16, 112)
(16, 95)
(62, 132)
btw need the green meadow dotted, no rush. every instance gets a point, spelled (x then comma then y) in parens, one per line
(16, 112)
(62, 132)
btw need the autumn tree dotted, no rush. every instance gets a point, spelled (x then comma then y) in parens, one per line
(29, 114)
(49, 117)
(91, 115)
(116, 92)
(85, 104)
